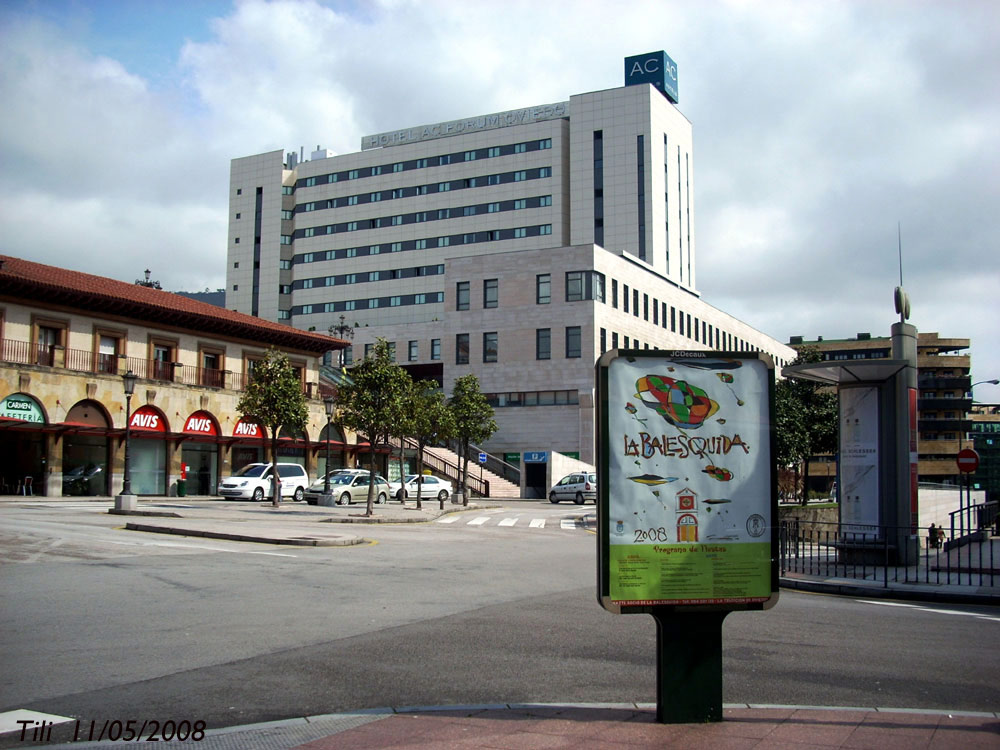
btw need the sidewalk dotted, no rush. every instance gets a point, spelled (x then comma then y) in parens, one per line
(602, 726)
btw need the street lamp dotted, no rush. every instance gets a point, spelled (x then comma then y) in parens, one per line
(328, 404)
(343, 331)
(126, 500)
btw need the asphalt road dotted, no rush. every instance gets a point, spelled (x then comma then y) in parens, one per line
(100, 623)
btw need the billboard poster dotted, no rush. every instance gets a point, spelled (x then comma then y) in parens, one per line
(687, 499)
(859, 500)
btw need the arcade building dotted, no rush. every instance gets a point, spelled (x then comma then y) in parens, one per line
(66, 340)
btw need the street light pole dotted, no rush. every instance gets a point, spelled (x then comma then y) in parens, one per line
(328, 404)
(126, 500)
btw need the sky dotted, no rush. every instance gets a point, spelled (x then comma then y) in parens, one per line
(827, 134)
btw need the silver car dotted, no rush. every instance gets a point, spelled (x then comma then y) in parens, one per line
(349, 488)
(579, 487)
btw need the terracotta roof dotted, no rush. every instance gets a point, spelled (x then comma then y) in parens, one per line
(32, 282)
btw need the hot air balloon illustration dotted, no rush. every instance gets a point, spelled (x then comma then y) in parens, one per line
(717, 472)
(677, 401)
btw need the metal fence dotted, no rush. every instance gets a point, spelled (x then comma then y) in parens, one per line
(888, 554)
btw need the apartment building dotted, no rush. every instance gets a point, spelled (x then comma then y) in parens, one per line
(943, 402)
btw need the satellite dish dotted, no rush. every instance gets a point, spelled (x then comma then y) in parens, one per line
(902, 302)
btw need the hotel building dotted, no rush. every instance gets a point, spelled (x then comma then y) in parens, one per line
(517, 245)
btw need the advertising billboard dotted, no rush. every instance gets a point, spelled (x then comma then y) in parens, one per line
(687, 504)
(656, 68)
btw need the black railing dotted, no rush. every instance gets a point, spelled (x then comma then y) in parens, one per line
(886, 555)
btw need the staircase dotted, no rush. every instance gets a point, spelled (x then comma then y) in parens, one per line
(445, 463)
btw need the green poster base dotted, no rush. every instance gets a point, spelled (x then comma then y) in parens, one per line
(688, 666)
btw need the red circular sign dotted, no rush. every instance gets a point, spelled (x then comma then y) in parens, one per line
(967, 460)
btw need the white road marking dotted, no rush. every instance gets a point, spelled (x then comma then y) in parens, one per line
(479, 521)
(508, 521)
(567, 523)
(449, 519)
(537, 523)
(931, 609)
(9, 719)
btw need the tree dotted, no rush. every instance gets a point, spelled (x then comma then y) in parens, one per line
(274, 398)
(473, 422)
(373, 403)
(432, 422)
(806, 420)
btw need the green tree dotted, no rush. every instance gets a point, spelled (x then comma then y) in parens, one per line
(806, 419)
(432, 422)
(373, 403)
(274, 398)
(474, 422)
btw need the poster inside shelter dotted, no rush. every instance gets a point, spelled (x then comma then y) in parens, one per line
(859, 476)
(690, 479)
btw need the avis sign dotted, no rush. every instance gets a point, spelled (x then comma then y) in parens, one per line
(656, 68)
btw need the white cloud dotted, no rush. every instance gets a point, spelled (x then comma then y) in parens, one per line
(817, 127)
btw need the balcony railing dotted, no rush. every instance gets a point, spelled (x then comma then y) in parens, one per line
(82, 360)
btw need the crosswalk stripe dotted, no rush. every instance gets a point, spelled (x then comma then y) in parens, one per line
(537, 523)
(567, 523)
(448, 519)
(479, 521)
(508, 521)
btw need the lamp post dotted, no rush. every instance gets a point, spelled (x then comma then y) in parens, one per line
(328, 404)
(972, 401)
(343, 331)
(126, 500)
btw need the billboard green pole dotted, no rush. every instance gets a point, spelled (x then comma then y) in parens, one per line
(687, 507)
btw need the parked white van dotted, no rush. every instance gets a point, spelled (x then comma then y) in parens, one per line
(253, 482)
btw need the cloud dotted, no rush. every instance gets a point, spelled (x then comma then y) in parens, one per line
(817, 126)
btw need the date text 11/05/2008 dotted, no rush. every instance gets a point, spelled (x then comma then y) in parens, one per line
(115, 730)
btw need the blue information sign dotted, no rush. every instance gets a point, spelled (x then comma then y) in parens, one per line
(482, 458)
(536, 457)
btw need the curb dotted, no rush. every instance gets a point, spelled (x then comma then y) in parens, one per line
(877, 592)
(345, 541)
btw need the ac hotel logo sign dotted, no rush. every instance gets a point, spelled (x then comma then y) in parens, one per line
(470, 125)
(656, 68)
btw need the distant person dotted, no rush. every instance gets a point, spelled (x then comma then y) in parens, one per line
(932, 536)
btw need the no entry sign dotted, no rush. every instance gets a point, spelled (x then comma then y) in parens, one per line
(967, 460)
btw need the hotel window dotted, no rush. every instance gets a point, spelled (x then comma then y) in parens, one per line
(604, 340)
(545, 200)
(614, 293)
(491, 293)
(462, 295)
(444, 241)
(635, 302)
(237, 241)
(543, 343)
(352, 200)
(353, 175)
(309, 232)
(397, 167)
(288, 215)
(545, 143)
(395, 301)
(368, 350)
(287, 190)
(625, 297)
(614, 340)
(493, 152)
(444, 213)
(446, 159)
(395, 247)
(543, 289)
(421, 163)
(413, 351)
(520, 232)
(493, 208)
(310, 181)
(420, 244)
(470, 155)
(520, 148)
(545, 172)
(435, 349)
(573, 350)
(520, 203)
(493, 179)
(469, 211)
(545, 229)
(374, 197)
(490, 346)
(461, 348)
(520, 176)
(376, 171)
(444, 187)
(286, 239)
(645, 307)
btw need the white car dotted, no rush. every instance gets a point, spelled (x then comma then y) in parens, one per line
(253, 482)
(579, 487)
(434, 487)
